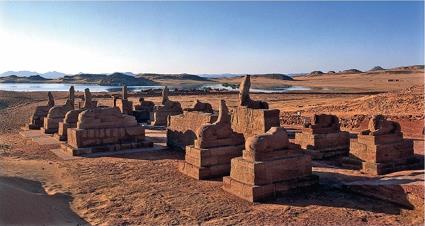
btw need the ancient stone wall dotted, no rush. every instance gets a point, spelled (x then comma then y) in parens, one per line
(252, 122)
(182, 128)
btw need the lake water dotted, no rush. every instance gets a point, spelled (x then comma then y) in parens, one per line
(32, 87)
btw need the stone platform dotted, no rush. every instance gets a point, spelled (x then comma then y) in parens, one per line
(251, 122)
(38, 137)
(285, 172)
(107, 149)
(322, 146)
(85, 141)
(51, 125)
(209, 163)
(61, 135)
(382, 154)
(182, 128)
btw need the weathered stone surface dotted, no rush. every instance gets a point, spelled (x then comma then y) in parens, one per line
(88, 102)
(144, 104)
(144, 111)
(201, 107)
(220, 133)
(104, 118)
(269, 167)
(381, 149)
(168, 108)
(105, 129)
(182, 128)
(57, 113)
(322, 138)
(125, 106)
(244, 98)
(322, 124)
(378, 125)
(255, 193)
(215, 146)
(71, 117)
(251, 122)
(40, 112)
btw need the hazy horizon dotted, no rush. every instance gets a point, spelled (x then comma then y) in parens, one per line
(209, 37)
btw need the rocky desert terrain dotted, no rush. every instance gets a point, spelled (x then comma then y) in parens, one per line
(146, 188)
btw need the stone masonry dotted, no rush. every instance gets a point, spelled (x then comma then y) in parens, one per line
(270, 166)
(252, 117)
(168, 108)
(143, 111)
(71, 117)
(37, 118)
(125, 105)
(381, 149)
(322, 138)
(57, 113)
(182, 128)
(215, 146)
(105, 129)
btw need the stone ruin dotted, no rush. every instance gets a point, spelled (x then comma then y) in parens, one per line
(181, 129)
(245, 99)
(144, 111)
(322, 137)
(71, 117)
(168, 108)
(270, 166)
(57, 113)
(215, 146)
(381, 149)
(125, 105)
(105, 129)
(252, 117)
(200, 107)
(37, 117)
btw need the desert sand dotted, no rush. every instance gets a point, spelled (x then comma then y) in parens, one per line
(38, 187)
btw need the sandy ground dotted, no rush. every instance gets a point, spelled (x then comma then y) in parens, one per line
(345, 82)
(37, 187)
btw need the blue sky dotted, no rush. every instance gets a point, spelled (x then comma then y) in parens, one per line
(209, 37)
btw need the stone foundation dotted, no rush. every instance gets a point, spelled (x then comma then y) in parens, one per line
(270, 166)
(279, 173)
(251, 122)
(37, 119)
(324, 145)
(61, 135)
(125, 106)
(85, 141)
(381, 154)
(209, 163)
(161, 116)
(51, 125)
(181, 130)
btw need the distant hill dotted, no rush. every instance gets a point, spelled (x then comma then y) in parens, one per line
(154, 77)
(315, 73)
(413, 67)
(351, 71)
(19, 73)
(377, 68)
(121, 79)
(272, 76)
(22, 79)
(104, 79)
(50, 74)
(224, 75)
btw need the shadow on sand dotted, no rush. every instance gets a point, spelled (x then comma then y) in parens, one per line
(354, 192)
(25, 202)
